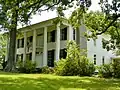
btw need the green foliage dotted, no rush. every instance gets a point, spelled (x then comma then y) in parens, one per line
(59, 66)
(110, 70)
(76, 63)
(27, 67)
(116, 67)
(76, 17)
(105, 70)
(47, 70)
(53, 82)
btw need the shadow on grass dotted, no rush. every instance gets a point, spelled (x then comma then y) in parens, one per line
(58, 83)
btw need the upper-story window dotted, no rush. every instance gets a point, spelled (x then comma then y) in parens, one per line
(51, 36)
(20, 43)
(63, 34)
(29, 40)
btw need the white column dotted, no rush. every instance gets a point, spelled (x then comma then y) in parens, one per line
(45, 47)
(69, 33)
(34, 46)
(25, 45)
(57, 51)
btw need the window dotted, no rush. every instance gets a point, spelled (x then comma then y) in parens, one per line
(29, 41)
(30, 57)
(103, 60)
(18, 43)
(50, 58)
(31, 38)
(95, 59)
(51, 36)
(63, 53)
(22, 42)
(74, 35)
(63, 34)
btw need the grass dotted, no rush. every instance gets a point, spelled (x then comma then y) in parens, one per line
(9, 81)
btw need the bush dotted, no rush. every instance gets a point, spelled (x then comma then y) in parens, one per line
(28, 67)
(116, 68)
(75, 63)
(59, 66)
(47, 70)
(105, 70)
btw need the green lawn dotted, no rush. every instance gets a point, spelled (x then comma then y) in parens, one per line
(51, 82)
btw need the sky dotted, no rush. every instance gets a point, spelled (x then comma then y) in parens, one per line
(51, 14)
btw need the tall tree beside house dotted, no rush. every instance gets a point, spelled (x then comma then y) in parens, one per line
(13, 12)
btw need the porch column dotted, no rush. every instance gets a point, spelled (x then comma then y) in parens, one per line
(57, 51)
(25, 45)
(69, 33)
(45, 47)
(34, 46)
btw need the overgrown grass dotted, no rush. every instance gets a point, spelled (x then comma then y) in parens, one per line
(9, 81)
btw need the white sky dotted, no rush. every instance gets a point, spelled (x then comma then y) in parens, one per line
(51, 14)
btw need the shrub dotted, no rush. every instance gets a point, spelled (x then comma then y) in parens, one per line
(47, 70)
(28, 67)
(75, 63)
(105, 70)
(59, 66)
(116, 68)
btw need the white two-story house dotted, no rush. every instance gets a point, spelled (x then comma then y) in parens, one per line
(46, 41)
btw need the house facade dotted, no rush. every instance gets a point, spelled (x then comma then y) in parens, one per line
(46, 41)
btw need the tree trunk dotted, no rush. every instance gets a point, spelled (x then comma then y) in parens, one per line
(10, 67)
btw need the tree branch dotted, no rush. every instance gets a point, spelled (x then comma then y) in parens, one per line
(110, 24)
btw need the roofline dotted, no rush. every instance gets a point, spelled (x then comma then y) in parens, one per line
(45, 21)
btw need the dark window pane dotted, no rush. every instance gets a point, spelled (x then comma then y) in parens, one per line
(22, 42)
(53, 36)
(30, 57)
(95, 59)
(31, 38)
(63, 34)
(18, 42)
(73, 34)
(51, 58)
(63, 53)
(22, 57)
(103, 60)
